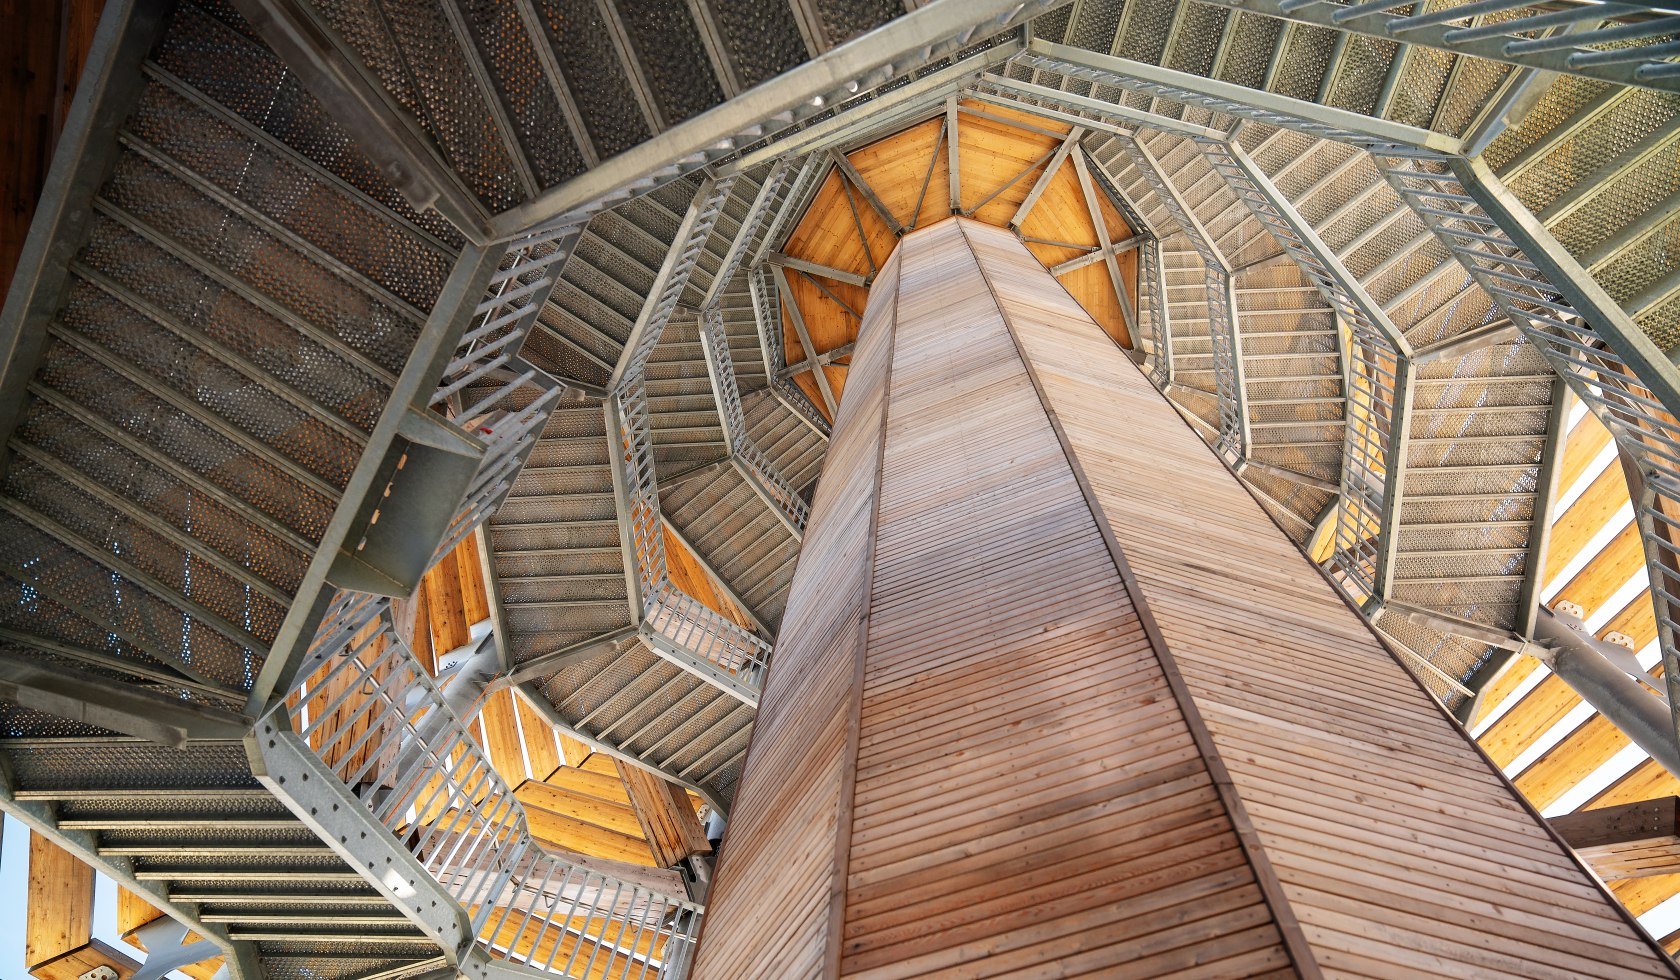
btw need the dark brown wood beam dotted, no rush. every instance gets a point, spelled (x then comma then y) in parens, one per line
(1633, 840)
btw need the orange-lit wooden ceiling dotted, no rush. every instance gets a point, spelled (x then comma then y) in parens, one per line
(1561, 754)
(1001, 155)
(577, 801)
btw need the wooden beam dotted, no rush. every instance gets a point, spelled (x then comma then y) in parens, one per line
(1586, 516)
(445, 605)
(475, 601)
(614, 815)
(602, 786)
(849, 173)
(79, 962)
(667, 817)
(541, 746)
(1633, 840)
(59, 914)
(572, 834)
(501, 736)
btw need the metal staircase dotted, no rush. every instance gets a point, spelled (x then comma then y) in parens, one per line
(320, 289)
(193, 831)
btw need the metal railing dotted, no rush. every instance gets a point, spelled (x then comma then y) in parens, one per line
(1377, 382)
(766, 479)
(379, 723)
(1627, 43)
(767, 314)
(506, 419)
(677, 625)
(509, 435)
(504, 319)
(1618, 374)
(1587, 338)
(1153, 314)
(1222, 320)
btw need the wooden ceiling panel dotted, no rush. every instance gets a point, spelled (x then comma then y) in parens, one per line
(999, 163)
(829, 323)
(1641, 895)
(1091, 288)
(1060, 215)
(607, 814)
(827, 235)
(895, 168)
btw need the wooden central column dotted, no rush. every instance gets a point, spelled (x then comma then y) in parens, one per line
(1053, 696)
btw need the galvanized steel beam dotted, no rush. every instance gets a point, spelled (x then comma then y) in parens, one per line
(935, 30)
(84, 155)
(1508, 40)
(41, 816)
(353, 95)
(1235, 100)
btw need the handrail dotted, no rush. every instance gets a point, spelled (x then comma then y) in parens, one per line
(767, 479)
(677, 625)
(1626, 43)
(1616, 371)
(1378, 380)
(508, 419)
(767, 314)
(380, 724)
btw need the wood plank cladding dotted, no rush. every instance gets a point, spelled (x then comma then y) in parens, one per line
(999, 776)
(1401, 849)
(1054, 697)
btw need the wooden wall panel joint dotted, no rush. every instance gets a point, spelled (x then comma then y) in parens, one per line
(1283, 916)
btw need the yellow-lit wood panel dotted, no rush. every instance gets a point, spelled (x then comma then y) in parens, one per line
(1000, 160)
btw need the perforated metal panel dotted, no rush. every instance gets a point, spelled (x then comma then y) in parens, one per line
(522, 85)
(672, 57)
(580, 42)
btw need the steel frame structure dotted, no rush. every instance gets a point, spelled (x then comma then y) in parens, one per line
(369, 747)
(1590, 342)
(673, 624)
(466, 362)
(1584, 39)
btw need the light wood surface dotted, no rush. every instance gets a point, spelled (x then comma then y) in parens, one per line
(1401, 849)
(58, 917)
(999, 650)
(1054, 697)
(1000, 159)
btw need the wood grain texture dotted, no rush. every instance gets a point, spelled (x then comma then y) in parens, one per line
(1000, 160)
(958, 596)
(780, 873)
(58, 913)
(1401, 849)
